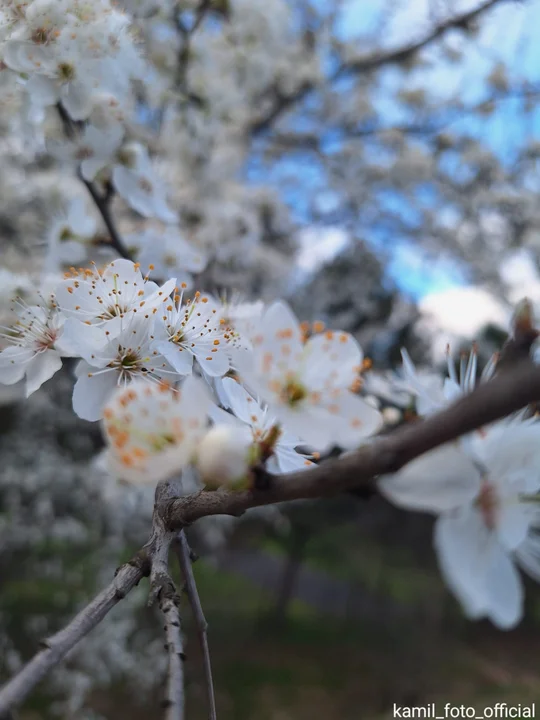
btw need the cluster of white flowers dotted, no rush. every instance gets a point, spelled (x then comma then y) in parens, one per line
(222, 387)
(164, 352)
(68, 51)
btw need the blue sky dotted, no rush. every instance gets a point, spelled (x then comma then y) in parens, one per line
(509, 35)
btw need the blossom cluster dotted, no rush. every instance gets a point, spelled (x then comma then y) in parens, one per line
(156, 365)
(68, 51)
(81, 59)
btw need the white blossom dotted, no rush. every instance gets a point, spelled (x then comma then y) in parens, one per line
(485, 502)
(309, 386)
(249, 414)
(109, 362)
(92, 150)
(168, 253)
(105, 297)
(69, 235)
(138, 184)
(35, 350)
(193, 330)
(153, 430)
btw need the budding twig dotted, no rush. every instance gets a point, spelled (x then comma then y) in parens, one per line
(506, 393)
(56, 647)
(103, 203)
(169, 602)
(183, 552)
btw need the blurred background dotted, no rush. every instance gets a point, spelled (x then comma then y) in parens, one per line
(376, 163)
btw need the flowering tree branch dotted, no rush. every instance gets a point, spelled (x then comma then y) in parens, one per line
(185, 559)
(378, 60)
(512, 389)
(498, 398)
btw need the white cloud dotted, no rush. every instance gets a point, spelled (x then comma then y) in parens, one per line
(521, 276)
(319, 245)
(458, 313)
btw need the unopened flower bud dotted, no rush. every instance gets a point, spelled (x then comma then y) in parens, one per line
(391, 416)
(225, 456)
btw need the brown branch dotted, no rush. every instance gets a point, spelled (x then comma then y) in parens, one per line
(505, 394)
(101, 201)
(372, 62)
(103, 204)
(183, 552)
(169, 602)
(56, 647)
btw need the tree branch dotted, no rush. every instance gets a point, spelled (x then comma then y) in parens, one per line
(103, 204)
(56, 647)
(183, 552)
(372, 62)
(169, 602)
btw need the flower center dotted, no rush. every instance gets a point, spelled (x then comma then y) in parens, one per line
(488, 504)
(127, 158)
(66, 72)
(40, 36)
(293, 392)
(130, 360)
(66, 234)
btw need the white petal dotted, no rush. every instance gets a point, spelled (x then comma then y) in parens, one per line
(241, 402)
(528, 555)
(504, 589)
(309, 423)
(332, 359)
(91, 393)
(350, 418)
(278, 347)
(461, 541)
(511, 447)
(77, 100)
(220, 417)
(179, 357)
(80, 339)
(41, 369)
(13, 364)
(288, 460)
(437, 481)
(478, 570)
(42, 90)
(91, 166)
(513, 521)
(214, 364)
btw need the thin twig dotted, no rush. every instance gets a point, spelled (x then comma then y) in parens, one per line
(103, 204)
(56, 647)
(169, 602)
(101, 201)
(183, 552)
(282, 102)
